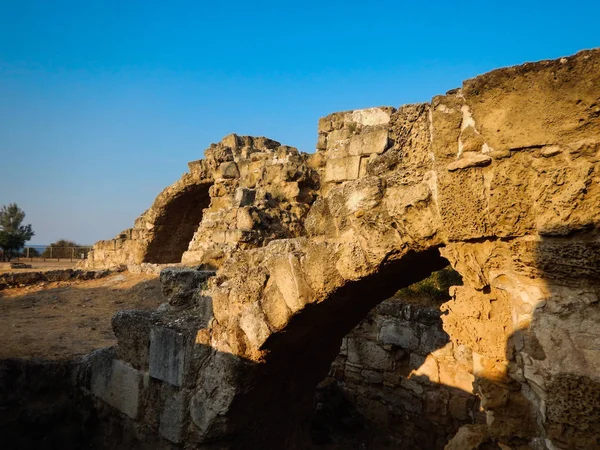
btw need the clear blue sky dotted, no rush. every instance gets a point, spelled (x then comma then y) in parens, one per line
(102, 103)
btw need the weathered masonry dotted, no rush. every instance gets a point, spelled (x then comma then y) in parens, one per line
(499, 179)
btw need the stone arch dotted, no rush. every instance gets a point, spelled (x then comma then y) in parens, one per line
(303, 352)
(484, 190)
(176, 217)
(287, 306)
(477, 187)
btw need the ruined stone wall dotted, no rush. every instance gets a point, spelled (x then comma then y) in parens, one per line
(499, 178)
(19, 279)
(403, 374)
(161, 233)
(246, 192)
(262, 192)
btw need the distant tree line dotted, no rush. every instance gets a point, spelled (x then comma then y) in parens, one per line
(13, 235)
(64, 248)
(61, 249)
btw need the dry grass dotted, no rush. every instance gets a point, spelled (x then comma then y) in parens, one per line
(71, 318)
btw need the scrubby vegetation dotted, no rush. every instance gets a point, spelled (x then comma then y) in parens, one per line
(435, 286)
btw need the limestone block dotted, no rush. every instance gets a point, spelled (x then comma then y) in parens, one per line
(273, 173)
(274, 306)
(204, 309)
(117, 384)
(325, 125)
(436, 402)
(167, 353)
(342, 169)
(458, 407)
(364, 164)
(432, 339)
(471, 140)
(372, 376)
(217, 203)
(372, 116)
(244, 220)
(132, 329)
(411, 385)
(289, 278)
(469, 437)
(368, 354)
(232, 141)
(219, 153)
(244, 197)
(398, 333)
(288, 191)
(404, 401)
(235, 236)
(253, 323)
(173, 416)
(565, 97)
(229, 170)
(216, 391)
(373, 410)
(337, 137)
(321, 142)
(180, 283)
(369, 142)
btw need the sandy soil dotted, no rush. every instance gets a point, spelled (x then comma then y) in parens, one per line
(66, 319)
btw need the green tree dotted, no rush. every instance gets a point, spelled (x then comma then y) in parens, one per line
(13, 235)
(62, 248)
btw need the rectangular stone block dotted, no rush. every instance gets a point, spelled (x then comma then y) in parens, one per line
(335, 136)
(400, 333)
(173, 416)
(372, 116)
(245, 197)
(342, 169)
(368, 354)
(167, 355)
(374, 141)
(117, 384)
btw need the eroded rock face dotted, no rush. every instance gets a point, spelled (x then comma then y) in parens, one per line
(499, 178)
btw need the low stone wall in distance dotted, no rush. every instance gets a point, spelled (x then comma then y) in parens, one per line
(19, 279)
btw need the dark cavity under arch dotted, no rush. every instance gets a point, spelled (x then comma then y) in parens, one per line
(176, 224)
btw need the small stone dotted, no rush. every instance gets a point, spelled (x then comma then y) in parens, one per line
(550, 151)
(229, 170)
(469, 160)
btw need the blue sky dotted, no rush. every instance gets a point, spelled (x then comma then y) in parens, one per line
(102, 103)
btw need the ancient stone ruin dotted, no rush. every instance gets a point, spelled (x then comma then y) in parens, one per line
(279, 255)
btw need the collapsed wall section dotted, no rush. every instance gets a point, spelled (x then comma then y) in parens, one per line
(262, 192)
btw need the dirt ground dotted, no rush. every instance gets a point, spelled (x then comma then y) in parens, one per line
(65, 319)
(39, 265)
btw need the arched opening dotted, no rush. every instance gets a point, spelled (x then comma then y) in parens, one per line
(299, 357)
(398, 380)
(176, 223)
